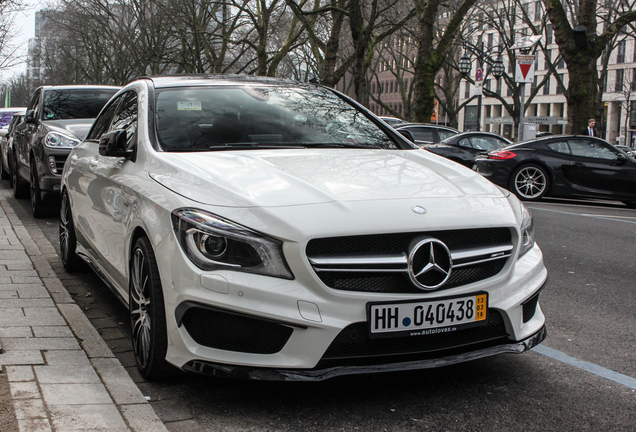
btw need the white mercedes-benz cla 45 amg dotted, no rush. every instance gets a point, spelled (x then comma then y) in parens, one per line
(269, 229)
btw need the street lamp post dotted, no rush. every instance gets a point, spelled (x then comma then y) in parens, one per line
(483, 56)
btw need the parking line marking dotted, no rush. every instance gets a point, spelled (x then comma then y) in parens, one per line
(625, 380)
(583, 215)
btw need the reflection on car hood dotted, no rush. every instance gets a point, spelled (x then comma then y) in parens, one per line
(76, 127)
(266, 178)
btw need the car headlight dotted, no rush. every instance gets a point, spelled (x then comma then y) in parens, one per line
(527, 230)
(214, 243)
(58, 140)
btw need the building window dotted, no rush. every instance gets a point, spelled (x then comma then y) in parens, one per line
(620, 57)
(559, 89)
(618, 85)
(534, 84)
(487, 84)
(499, 83)
(632, 114)
(561, 64)
(536, 62)
(546, 87)
(509, 92)
(548, 34)
(467, 92)
(490, 39)
(634, 79)
(605, 83)
(548, 59)
(537, 11)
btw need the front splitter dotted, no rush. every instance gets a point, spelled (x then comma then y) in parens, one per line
(264, 374)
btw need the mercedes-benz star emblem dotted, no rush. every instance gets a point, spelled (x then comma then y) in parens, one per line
(430, 264)
(418, 209)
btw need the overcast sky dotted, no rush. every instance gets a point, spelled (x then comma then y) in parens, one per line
(25, 29)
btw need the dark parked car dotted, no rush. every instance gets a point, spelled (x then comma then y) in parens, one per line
(562, 166)
(57, 119)
(392, 121)
(6, 137)
(464, 147)
(422, 134)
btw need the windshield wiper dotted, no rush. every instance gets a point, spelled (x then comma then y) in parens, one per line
(253, 146)
(339, 145)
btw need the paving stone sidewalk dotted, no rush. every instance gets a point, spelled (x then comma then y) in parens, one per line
(62, 375)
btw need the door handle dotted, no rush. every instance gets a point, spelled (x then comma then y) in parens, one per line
(578, 165)
(93, 163)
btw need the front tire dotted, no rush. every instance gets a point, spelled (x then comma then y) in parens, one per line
(68, 242)
(37, 204)
(19, 185)
(529, 182)
(147, 313)
(4, 174)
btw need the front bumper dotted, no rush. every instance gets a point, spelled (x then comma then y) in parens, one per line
(229, 371)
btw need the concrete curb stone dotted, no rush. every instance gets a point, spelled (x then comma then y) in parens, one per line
(62, 375)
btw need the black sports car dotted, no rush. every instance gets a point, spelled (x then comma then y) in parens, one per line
(422, 134)
(464, 147)
(562, 166)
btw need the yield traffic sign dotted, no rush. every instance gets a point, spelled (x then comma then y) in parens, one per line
(524, 72)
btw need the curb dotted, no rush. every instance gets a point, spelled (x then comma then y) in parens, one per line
(108, 398)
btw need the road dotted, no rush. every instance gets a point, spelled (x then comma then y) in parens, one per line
(583, 378)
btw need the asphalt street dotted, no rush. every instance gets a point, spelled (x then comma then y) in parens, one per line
(583, 380)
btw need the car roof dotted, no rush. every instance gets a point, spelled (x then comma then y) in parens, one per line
(426, 125)
(77, 87)
(212, 80)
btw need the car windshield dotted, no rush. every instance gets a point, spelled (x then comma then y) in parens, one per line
(75, 103)
(252, 117)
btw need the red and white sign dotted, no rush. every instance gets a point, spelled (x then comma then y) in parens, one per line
(524, 72)
(479, 75)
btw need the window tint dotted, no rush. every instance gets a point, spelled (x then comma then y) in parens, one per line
(559, 147)
(465, 142)
(423, 134)
(443, 134)
(591, 149)
(126, 118)
(208, 118)
(103, 122)
(75, 103)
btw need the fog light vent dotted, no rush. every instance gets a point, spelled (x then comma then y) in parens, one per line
(215, 328)
(530, 307)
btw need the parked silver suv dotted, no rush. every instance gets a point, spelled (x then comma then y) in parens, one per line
(57, 119)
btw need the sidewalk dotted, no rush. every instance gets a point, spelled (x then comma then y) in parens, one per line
(62, 375)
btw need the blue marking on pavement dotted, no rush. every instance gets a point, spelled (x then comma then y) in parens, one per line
(587, 366)
(583, 215)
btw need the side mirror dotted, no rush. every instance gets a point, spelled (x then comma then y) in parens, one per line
(114, 143)
(30, 117)
(621, 158)
(408, 134)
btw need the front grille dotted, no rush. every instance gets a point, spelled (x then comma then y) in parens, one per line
(354, 346)
(228, 331)
(355, 263)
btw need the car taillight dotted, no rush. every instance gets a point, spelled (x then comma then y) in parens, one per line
(502, 155)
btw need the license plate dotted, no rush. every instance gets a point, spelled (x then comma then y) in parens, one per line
(427, 317)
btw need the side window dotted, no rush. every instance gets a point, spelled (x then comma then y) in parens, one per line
(126, 118)
(559, 147)
(464, 142)
(104, 120)
(423, 134)
(445, 134)
(592, 149)
(35, 103)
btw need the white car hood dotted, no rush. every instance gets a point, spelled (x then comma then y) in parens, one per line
(273, 178)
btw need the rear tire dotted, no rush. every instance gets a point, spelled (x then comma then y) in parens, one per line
(529, 182)
(147, 313)
(19, 185)
(68, 242)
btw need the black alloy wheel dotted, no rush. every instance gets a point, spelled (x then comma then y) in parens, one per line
(4, 174)
(147, 313)
(68, 242)
(19, 185)
(529, 182)
(37, 204)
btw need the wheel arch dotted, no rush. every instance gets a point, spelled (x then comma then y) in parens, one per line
(539, 163)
